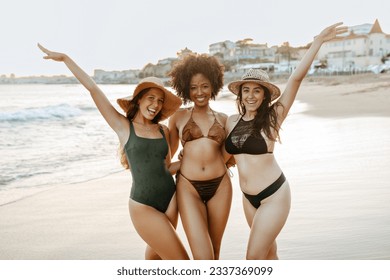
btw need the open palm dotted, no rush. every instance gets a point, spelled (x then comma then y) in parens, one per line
(52, 55)
(332, 31)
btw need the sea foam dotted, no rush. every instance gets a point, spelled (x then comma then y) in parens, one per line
(56, 112)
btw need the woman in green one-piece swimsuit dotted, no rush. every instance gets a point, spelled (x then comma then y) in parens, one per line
(152, 203)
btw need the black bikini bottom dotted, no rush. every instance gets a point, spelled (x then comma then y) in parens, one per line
(255, 200)
(206, 189)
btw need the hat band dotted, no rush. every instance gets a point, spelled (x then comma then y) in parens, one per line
(249, 78)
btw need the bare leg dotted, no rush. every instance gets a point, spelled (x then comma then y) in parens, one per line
(157, 230)
(218, 209)
(150, 254)
(172, 214)
(193, 214)
(266, 222)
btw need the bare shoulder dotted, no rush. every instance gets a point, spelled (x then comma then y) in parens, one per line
(233, 118)
(221, 117)
(231, 121)
(180, 113)
(178, 118)
(164, 127)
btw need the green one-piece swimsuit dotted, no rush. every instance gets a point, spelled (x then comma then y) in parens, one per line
(153, 185)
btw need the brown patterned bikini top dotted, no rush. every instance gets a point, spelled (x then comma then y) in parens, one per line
(192, 131)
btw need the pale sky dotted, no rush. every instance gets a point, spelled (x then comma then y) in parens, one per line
(128, 34)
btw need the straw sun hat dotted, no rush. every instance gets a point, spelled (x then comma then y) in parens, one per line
(256, 76)
(171, 101)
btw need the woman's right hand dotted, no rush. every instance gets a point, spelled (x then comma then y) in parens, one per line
(115, 120)
(56, 56)
(180, 155)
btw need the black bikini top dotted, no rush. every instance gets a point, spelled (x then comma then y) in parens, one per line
(245, 139)
(192, 131)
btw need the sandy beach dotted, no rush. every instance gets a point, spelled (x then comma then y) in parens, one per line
(335, 152)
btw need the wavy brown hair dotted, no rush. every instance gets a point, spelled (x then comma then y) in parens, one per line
(266, 117)
(192, 64)
(130, 114)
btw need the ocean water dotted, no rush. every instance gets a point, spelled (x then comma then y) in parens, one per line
(337, 165)
(53, 134)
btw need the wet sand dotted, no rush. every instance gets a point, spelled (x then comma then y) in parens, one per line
(335, 152)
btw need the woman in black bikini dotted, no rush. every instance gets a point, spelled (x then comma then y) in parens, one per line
(251, 139)
(145, 151)
(204, 191)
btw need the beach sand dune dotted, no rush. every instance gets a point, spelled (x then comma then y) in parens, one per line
(335, 152)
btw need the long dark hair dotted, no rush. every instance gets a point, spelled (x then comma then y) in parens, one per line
(266, 118)
(130, 114)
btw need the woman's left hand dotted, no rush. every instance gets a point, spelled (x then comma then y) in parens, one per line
(332, 31)
(56, 56)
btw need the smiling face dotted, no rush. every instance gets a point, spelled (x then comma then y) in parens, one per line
(252, 95)
(151, 103)
(200, 90)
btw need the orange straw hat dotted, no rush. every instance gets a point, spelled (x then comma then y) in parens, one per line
(256, 76)
(171, 101)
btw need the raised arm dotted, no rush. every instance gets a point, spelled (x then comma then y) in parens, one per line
(290, 92)
(115, 120)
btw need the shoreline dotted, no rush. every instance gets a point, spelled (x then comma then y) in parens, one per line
(36, 190)
(229, 76)
(336, 164)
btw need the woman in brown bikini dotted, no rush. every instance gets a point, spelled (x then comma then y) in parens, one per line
(204, 190)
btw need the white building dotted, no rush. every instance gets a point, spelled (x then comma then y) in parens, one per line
(225, 49)
(365, 45)
(242, 49)
(125, 76)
